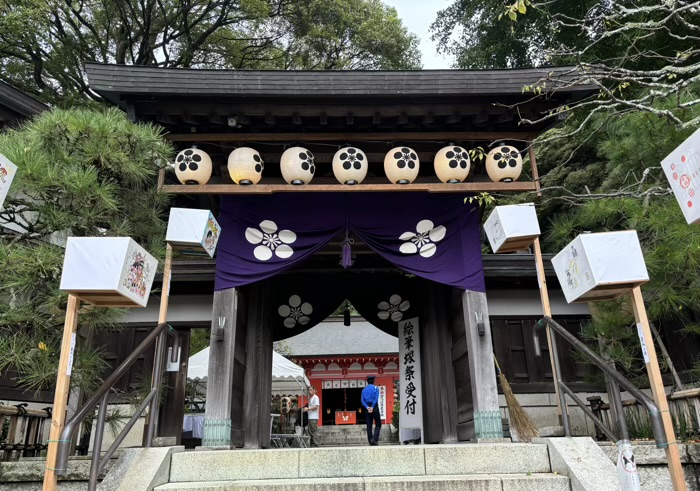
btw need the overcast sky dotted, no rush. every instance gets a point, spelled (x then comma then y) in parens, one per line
(417, 15)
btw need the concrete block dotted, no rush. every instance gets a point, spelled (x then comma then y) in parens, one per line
(534, 482)
(582, 460)
(140, 469)
(195, 486)
(335, 484)
(230, 465)
(483, 458)
(362, 461)
(32, 470)
(550, 431)
(342, 484)
(164, 441)
(434, 483)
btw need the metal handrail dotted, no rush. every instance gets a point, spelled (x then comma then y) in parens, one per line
(101, 397)
(616, 378)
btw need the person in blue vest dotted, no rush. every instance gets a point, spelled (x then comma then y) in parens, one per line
(370, 401)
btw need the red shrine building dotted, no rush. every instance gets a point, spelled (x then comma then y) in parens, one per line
(339, 358)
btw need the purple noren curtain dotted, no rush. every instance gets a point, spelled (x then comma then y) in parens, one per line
(433, 236)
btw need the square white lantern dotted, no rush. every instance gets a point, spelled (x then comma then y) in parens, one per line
(193, 232)
(513, 227)
(682, 168)
(108, 271)
(600, 266)
(7, 174)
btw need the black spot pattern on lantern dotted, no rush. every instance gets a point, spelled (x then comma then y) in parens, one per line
(307, 161)
(351, 158)
(506, 157)
(188, 160)
(458, 158)
(406, 158)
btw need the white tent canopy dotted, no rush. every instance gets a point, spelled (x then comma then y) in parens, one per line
(287, 378)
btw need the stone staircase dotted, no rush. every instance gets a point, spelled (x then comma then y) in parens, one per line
(342, 435)
(468, 467)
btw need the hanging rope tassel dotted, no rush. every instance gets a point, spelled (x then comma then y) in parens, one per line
(347, 251)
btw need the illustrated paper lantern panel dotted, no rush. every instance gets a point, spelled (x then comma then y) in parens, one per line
(193, 232)
(682, 169)
(108, 271)
(513, 227)
(193, 166)
(600, 266)
(7, 174)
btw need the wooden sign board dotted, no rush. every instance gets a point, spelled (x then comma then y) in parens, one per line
(7, 174)
(193, 232)
(511, 228)
(108, 271)
(600, 266)
(682, 168)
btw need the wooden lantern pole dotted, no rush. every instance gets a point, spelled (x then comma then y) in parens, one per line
(542, 282)
(160, 345)
(58, 415)
(657, 388)
(547, 311)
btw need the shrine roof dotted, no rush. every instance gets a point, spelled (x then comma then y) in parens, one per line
(15, 105)
(331, 337)
(112, 81)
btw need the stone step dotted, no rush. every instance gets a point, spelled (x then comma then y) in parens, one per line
(480, 482)
(361, 461)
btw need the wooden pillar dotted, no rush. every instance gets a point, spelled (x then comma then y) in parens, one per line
(172, 411)
(258, 378)
(226, 368)
(487, 414)
(439, 396)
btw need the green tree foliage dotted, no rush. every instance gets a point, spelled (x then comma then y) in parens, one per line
(480, 34)
(613, 181)
(349, 35)
(80, 173)
(44, 44)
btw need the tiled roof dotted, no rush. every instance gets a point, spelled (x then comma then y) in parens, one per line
(18, 102)
(110, 80)
(333, 338)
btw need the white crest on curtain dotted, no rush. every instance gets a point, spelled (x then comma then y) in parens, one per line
(296, 312)
(423, 240)
(393, 309)
(271, 241)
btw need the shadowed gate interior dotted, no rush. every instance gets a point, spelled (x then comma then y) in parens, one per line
(241, 350)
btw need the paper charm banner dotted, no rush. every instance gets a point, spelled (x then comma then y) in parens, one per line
(432, 236)
(682, 168)
(7, 174)
(411, 393)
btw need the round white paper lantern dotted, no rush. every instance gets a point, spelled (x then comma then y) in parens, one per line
(350, 165)
(245, 166)
(504, 164)
(193, 166)
(452, 164)
(401, 165)
(297, 166)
